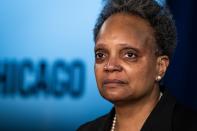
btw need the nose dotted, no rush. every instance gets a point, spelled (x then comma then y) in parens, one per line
(112, 65)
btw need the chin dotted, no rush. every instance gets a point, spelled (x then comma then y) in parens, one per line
(119, 98)
(113, 98)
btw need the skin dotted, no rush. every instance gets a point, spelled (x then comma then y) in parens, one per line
(126, 68)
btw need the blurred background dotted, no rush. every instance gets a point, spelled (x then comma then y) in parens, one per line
(46, 63)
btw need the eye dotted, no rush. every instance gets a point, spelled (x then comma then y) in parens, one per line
(130, 55)
(99, 55)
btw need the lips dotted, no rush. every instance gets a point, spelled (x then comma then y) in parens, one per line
(108, 82)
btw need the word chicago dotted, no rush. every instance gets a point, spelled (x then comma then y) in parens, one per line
(26, 78)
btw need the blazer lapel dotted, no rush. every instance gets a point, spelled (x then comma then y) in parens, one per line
(160, 118)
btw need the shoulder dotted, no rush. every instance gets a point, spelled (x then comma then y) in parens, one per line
(95, 125)
(184, 118)
(179, 116)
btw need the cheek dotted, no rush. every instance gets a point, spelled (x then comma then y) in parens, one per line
(98, 70)
(141, 74)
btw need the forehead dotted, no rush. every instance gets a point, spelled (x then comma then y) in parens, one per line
(125, 28)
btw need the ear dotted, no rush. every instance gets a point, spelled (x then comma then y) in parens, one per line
(162, 65)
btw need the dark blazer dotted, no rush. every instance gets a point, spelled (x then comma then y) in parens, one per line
(167, 115)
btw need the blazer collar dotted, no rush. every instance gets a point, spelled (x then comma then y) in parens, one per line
(160, 119)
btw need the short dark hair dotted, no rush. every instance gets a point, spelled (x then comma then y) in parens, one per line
(158, 16)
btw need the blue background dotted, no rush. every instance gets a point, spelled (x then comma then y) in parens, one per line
(62, 29)
(50, 30)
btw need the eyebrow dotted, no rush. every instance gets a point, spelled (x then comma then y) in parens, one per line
(127, 46)
(122, 45)
(100, 46)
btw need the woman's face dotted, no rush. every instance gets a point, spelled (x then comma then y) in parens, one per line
(125, 62)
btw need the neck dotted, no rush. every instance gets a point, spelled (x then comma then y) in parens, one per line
(136, 112)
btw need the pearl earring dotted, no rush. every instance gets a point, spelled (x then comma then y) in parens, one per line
(158, 78)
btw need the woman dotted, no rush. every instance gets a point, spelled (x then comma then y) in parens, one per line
(134, 43)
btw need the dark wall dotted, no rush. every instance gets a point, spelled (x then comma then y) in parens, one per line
(181, 76)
